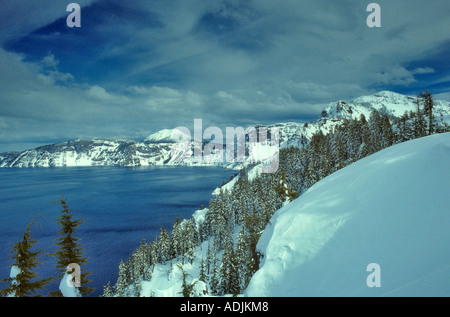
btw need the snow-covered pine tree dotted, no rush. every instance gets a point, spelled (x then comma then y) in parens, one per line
(366, 146)
(339, 152)
(175, 239)
(214, 275)
(24, 283)
(163, 246)
(120, 288)
(108, 291)
(243, 256)
(285, 194)
(419, 122)
(187, 288)
(428, 108)
(190, 237)
(69, 250)
(405, 128)
(202, 276)
(226, 268)
(145, 261)
(253, 228)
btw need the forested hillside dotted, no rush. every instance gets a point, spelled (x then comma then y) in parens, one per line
(214, 252)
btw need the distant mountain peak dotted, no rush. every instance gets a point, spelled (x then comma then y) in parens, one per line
(162, 136)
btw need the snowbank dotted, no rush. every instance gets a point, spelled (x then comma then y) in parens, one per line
(391, 208)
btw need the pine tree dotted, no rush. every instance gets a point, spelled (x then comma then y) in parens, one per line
(406, 130)
(419, 122)
(428, 107)
(202, 274)
(285, 194)
(366, 146)
(108, 290)
(175, 239)
(235, 279)
(225, 269)
(253, 230)
(164, 246)
(69, 249)
(186, 288)
(214, 279)
(229, 272)
(25, 261)
(243, 257)
(122, 281)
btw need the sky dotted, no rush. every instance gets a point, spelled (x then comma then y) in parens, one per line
(135, 67)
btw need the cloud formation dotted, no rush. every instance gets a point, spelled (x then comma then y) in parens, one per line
(138, 66)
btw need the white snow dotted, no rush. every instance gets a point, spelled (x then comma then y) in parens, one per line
(164, 135)
(14, 271)
(200, 215)
(164, 284)
(391, 208)
(67, 289)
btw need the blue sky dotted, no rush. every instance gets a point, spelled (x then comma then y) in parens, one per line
(135, 67)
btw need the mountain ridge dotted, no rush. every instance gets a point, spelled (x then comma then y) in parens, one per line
(155, 149)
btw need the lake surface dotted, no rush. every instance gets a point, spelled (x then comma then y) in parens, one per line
(122, 205)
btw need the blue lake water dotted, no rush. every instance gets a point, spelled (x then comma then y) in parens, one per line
(122, 205)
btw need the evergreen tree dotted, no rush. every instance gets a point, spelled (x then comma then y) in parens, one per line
(283, 190)
(202, 274)
(226, 268)
(175, 239)
(366, 146)
(428, 107)
(120, 288)
(214, 279)
(24, 284)
(164, 246)
(406, 129)
(187, 289)
(108, 290)
(243, 257)
(69, 249)
(229, 273)
(253, 230)
(419, 122)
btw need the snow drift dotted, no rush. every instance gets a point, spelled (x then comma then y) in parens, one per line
(391, 208)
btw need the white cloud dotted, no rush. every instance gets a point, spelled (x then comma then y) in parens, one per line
(423, 70)
(100, 93)
(281, 60)
(49, 61)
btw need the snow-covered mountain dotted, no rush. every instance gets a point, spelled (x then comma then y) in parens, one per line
(162, 136)
(156, 148)
(383, 219)
(90, 153)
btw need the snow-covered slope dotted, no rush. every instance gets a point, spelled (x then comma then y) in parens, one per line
(391, 208)
(163, 136)
(388, 102)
